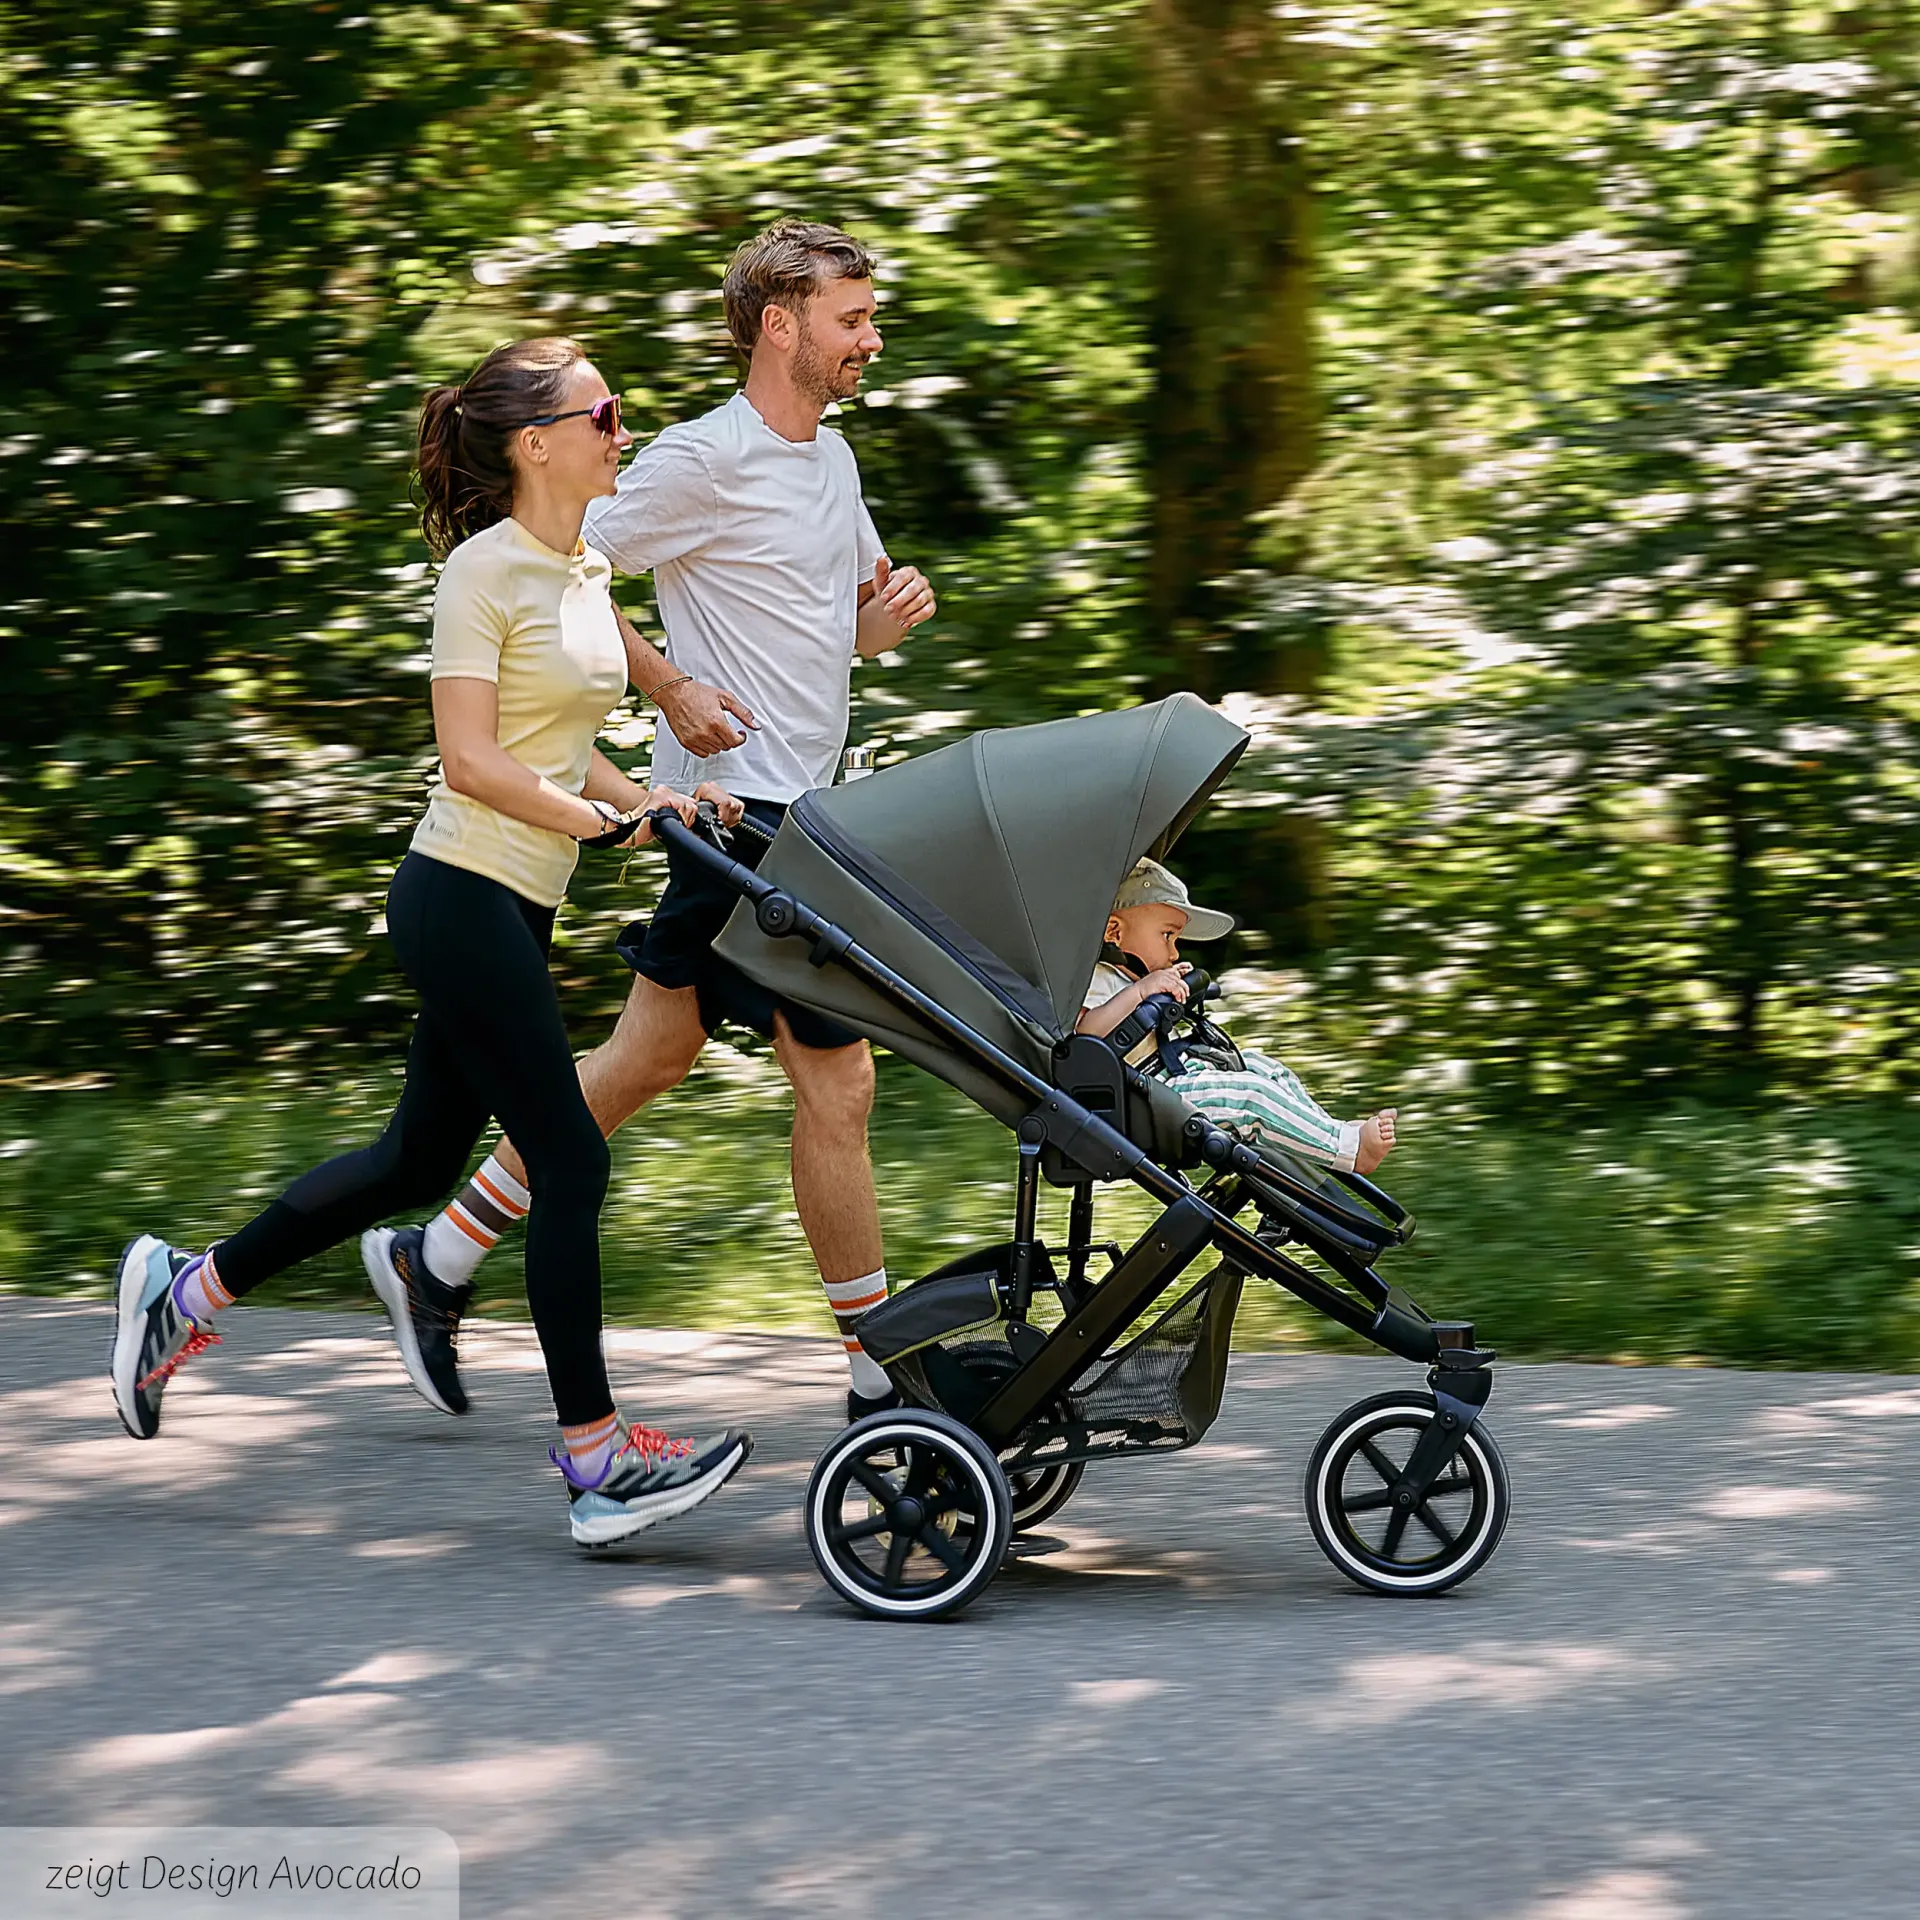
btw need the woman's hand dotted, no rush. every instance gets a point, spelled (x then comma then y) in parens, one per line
(662, 799)
(724, 804)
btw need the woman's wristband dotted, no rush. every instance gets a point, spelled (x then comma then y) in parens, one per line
(609, 816)
(678, 680)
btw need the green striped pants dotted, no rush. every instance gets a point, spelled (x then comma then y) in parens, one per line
(1268, 1103)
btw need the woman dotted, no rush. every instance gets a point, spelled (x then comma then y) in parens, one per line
(527, 663)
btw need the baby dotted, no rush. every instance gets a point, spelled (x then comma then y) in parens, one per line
(1261, 1101)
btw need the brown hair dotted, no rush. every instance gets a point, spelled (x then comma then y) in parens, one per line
(784, 267)
(466, 435)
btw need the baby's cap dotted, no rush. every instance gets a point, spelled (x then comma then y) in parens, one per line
(1151, 885)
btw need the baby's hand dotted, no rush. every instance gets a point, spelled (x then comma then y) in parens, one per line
(1166, 980)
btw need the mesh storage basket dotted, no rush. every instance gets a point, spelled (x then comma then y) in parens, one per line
(1157, 1389)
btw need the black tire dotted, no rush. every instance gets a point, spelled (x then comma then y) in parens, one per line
(945, 1496)
(1448, 1538)
(1039, 1492)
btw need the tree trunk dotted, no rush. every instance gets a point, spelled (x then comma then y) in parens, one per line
(1231, 429)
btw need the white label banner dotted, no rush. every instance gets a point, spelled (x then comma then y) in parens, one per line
(235, 1873)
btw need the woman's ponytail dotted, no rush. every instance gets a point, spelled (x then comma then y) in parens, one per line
(466, 435)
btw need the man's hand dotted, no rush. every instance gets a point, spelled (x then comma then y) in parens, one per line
(901, 598)
(728, 808)
(698, 716)
(905, 597)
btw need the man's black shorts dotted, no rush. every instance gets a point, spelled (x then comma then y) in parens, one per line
(677, 950)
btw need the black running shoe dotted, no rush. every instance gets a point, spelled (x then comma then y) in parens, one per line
(425, 1313)
(151, 1336)
(859, 1404)
(649, 1479)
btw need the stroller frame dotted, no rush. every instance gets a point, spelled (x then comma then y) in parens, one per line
(1067, 1137)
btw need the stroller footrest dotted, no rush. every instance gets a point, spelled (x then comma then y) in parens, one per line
(933, 1309)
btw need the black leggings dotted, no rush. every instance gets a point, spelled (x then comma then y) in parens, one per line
(489, 1044)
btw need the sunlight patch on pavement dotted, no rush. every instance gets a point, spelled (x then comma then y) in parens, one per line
(419, 1546)
(1114, 1693)
(1395, 1686)
(1624, 1894)
(1606, 1419)
(398, 1669)
(1780, 1503)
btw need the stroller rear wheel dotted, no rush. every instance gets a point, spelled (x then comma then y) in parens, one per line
(1374, 1541)
(908, 1515)
(1039, 1492)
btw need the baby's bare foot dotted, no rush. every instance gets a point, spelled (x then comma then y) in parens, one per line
(1376, 1139)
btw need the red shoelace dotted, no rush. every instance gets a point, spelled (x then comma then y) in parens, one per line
(198, 1341)
(652, 1444)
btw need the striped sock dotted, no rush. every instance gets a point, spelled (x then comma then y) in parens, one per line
(589, 1448)
(197, 1291)
(849, 1299)
(462, 1236)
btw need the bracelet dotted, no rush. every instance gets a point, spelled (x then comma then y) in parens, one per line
(609, 816)
(678, 680)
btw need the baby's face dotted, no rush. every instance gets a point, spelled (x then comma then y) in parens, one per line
(1150, 934)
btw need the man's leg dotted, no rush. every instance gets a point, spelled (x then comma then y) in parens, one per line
(656, 1042)
(833, 1183)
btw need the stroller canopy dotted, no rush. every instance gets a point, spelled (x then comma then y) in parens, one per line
(984, 873)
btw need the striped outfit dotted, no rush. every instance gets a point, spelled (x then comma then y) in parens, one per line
(1268, 1105)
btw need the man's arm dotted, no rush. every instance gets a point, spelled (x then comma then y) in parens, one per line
(892, 603)
(697, 713)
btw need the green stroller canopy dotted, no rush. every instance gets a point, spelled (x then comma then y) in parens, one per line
(984, 873)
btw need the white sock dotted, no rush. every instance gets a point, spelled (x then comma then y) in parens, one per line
(198, 1292)
(849, 1299)
(459, 1238)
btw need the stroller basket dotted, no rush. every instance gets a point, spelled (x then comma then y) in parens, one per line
(1155, 1391)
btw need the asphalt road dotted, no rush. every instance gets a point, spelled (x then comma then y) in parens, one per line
(1685, 1685)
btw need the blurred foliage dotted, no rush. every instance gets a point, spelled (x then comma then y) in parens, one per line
(1509, 414)
(1785, 1238)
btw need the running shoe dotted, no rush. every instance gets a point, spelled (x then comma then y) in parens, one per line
(650, 1478)
(859, 1404)
(152, 1336)
(425, 1313)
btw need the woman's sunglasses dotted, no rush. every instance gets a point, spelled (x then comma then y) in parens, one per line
(605, 415)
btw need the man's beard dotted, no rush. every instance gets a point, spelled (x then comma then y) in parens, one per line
(822, 378)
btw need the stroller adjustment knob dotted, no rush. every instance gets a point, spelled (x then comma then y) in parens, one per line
(776, 915)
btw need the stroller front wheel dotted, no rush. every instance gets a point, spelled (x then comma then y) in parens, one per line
(908, 1515)
(1364, 1531)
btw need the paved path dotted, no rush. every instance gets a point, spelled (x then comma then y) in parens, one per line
(1685, 1686)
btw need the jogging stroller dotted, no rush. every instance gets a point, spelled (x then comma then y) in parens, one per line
(951, 908)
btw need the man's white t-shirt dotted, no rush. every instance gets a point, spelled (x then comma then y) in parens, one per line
(759, 547)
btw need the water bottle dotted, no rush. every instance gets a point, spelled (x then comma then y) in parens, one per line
(856, 764)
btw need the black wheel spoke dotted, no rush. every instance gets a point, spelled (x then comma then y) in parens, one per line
(876, 1483)
(943, 1549)
(1464, 1484)
(1379, 1462)
(920, 1470)
(897, 1550)
(1435, 1525)
(1367, 1502)
(860, 1529)
(949, 1499)
(1396, 1527)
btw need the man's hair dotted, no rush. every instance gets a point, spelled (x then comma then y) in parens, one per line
(785, 267)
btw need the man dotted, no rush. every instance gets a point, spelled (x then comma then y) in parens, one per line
(770, 577)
